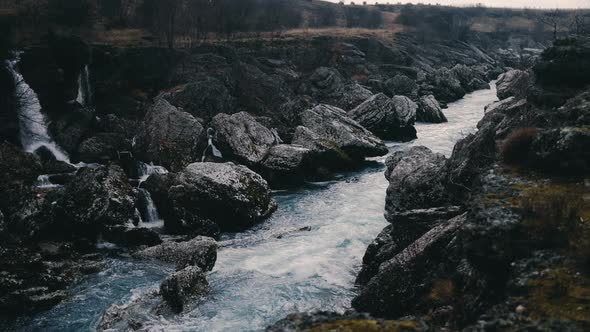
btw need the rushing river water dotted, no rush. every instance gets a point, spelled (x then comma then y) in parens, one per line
(306, 257)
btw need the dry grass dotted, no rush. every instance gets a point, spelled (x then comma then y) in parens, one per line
(122, 37)
(515, 148)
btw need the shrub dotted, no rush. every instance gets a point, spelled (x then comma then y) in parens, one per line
(515, 148)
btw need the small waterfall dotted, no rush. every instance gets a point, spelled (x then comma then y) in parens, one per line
(145, 170)
(33, 132)
(84, 89)
(44, 182)
(149, 214)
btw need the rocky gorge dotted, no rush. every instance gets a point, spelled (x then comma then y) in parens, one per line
(137, 126)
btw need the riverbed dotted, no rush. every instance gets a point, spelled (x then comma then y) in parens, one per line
(306, 257)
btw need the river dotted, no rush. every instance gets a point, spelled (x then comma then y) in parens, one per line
(306, 257)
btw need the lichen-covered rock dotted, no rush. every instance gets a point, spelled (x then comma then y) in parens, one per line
(183, 286)
(329, 131)
(416, 181)
(387, 118)
(429, 110)
(95, 198)
(201, 251)
(241, 138)
(227, 196)
(514, 83)
(169, 137)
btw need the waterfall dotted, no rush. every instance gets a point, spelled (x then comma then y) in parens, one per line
(33, 132)
(84, 89)
(145, 170)
(149, 213)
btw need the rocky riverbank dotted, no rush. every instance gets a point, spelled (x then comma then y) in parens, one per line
(280, 112)
(496, 236)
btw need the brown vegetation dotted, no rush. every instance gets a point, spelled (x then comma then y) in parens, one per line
(515, 148)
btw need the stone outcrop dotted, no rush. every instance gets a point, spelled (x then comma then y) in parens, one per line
(514, 83)
(388, 118)
(169, 137)
(429, 110)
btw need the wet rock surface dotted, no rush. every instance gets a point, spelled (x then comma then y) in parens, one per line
(200, 251)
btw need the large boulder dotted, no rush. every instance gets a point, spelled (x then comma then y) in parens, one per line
(96, 198)
(227, 196)
(387, 118)
(328, 130)
(169, 137)
(514, 83)
(429, 110)
(416, 181)
(18, 171)
(412, 282)
(287, 163)
(471, 79)
(204, 97)
(241, 138)
(201, 252)
(444, 85)
(328, 86)
(183, 286)
(401, 85)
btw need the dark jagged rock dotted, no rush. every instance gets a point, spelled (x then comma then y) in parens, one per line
(201, 252)
(241, 138)
(96, 198)
(444, 85)
(401, 85)
(471, 79)
(268, 93)
(429, 110)
(289, 115)
(169, 137)
(18, 171)
(204, 98)
(131, 236)
(329, 87)
(223, 196)
(403, 283)
(335, 137)
(416, 181)
(387, 118)
(514, 83)
(183, 286)
(69, 128)
(563, 150)
(102, 147)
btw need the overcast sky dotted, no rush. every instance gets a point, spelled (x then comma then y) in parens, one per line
(494, 3)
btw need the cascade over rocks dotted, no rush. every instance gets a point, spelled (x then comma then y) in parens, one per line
(336, 138)
(390, 119)
(208, 197)
(429, 110)
(169, 137)
(241, 138)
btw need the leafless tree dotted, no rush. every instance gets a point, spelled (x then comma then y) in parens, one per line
(552, 19)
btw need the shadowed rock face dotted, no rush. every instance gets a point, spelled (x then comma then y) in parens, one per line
(169, 137)
(182, 286)
(224, 196)
(328, 129)
(328, 86)
(388, 118)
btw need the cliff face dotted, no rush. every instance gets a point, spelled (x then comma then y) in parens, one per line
(505, 239)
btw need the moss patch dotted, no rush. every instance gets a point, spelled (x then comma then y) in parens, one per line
(366, 325)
